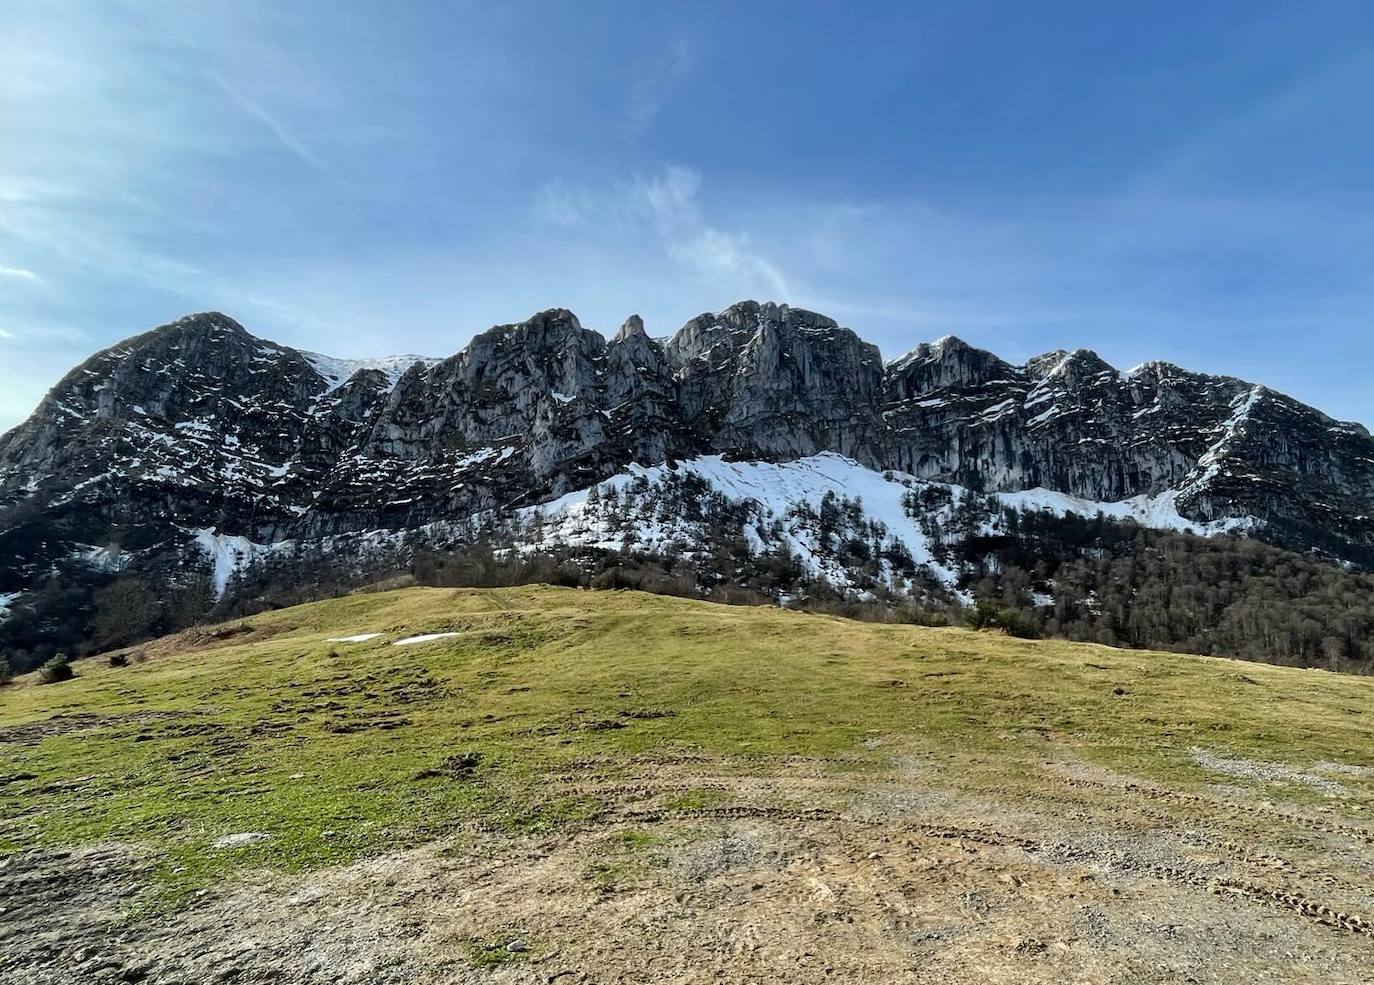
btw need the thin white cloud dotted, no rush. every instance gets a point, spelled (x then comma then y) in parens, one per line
(667, 206)
(650, 90)
(40, 334)
(75, 230)
(561, 204)
(671, 197)
(19, 273)
(285, 137)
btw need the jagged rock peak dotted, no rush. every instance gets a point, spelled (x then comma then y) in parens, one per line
(1089, 361)
(1157, 369)
(1044, 364)
(551, 326)
(547, 317)
(749, 316)
(1078, 364)
(927, 350)
(947, 362)
(633, 328)
(201, 326)
(770, 313)
(741, 321)
(205, 322)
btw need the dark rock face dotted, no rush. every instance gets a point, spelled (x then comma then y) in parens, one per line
(774, 381)
(199, 426)
(1065, 421)
(1070, 422)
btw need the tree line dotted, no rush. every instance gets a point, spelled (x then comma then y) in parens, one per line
(1030, 573)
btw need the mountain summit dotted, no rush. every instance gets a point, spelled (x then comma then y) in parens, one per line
(192, 451)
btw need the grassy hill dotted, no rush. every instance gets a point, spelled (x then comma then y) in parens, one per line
(548, 720)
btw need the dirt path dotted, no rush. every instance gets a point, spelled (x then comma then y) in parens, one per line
(785, 870)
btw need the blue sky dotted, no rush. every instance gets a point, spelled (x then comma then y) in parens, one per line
(1183, 181)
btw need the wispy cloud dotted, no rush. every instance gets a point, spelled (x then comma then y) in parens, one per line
(650, 90)
(74, 230)
(288, 140)
(5, 335)
(562, 204)
(672, 200)
(667, 206)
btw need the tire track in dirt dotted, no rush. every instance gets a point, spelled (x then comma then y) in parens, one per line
(1244, 855)
(1186, 829)
(1278, 897)
(1282, 897)
(1212, 805)
(1235, 852)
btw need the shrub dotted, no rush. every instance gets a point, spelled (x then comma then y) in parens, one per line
(1018, 623)
(119, 660)
(915, 615)
(1013, 622)
(982, 615)
(59, 668)
(6, 674)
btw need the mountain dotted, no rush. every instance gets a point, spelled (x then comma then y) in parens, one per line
(192, 454)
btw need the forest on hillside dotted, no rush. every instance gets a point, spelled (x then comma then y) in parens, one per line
(1125, 585)
(1031, 573)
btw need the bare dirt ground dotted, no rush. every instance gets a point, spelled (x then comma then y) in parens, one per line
(761, 870)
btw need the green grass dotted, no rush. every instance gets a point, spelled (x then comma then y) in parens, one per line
(340, 750)
(627, 855)
(695, 798)
(636, 840)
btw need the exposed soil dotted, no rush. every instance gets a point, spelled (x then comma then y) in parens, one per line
(767, 870)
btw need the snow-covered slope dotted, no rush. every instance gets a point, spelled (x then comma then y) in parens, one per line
(782, 505)
(848, 525)
(337, 372)
(229, 555)
(1159, 512)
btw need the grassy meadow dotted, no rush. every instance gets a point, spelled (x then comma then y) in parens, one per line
(341, 749)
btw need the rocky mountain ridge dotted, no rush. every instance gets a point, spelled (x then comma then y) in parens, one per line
(197, 441)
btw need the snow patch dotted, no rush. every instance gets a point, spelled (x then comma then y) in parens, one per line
(423, 639)
(772, 491)
(108, 559)
(359, 638)
(778, 496)
(337, 372)
(229, 554)
(1159, 512)
(1209, 465)
(481, 455)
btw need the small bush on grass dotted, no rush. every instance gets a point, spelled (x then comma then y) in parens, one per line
(59, 668)
(1013, 622)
